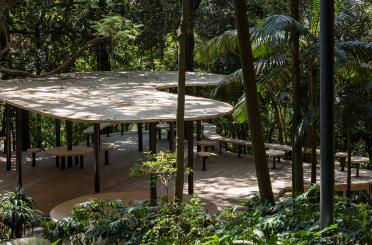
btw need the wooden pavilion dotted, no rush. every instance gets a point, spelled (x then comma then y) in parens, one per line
(107, 97)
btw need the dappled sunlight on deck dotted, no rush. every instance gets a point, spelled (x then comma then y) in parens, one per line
(227, 180)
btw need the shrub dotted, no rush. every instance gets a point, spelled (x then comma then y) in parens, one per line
(16, 214)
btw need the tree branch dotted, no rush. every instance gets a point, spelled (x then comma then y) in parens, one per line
(70, 61)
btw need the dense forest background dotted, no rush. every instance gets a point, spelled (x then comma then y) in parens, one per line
(39, 38)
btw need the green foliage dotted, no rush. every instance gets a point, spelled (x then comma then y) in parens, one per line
(109, 222)
(290, 221)
(293, 221)
(16, 214)
(161, 165)
(116, 27)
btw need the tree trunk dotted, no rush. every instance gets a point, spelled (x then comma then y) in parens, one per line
(312, 130)
(103, 58)
(297, 167)
(190, 40)
(250, 88)
(182, 35)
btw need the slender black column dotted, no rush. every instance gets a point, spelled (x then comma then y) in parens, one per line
(152, 146)
(8, 143)
(58, 137)
(69, 127)
(198, 123)
(97, 151)
(327, 143)
(19, 121)
(190, 155)
(171, 137)
(140, 137)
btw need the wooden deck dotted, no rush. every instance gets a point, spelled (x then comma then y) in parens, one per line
(228, 179)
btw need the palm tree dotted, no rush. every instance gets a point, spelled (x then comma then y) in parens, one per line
(271, 52)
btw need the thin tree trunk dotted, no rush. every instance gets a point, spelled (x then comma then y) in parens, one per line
(297, 167)
(182, 34)
(348, 188)
(190, 40)
(250, 88)
(312, 130)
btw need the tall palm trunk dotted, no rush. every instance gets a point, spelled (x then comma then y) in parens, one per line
(297, 167)
(254, 116)
(182, 36)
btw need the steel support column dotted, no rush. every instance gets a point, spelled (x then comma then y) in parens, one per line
(19, 136)
(199, 131)
(97, 151)
(171, 137)
(327, 142)
(58, 137)
(140, 137)
(190, 155)
(8, 135)
(152, 148)
(69, 126)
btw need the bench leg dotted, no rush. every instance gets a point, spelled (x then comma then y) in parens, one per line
(108, 134)
(57, 162)
(63, 165)
(342, 163)
(278, 159)
(239, 151)
(159, 134)
(204, 163)
(220, 147)
(33, 159)
(106, 158)
(274, 163)
(76, 160)
(81, 161)
(357, 171)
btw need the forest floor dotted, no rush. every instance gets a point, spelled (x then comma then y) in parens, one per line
(228, 178)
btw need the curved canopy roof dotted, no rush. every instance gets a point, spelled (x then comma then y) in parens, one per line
(112, 96)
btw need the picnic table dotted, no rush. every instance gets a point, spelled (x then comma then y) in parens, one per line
(275, 154)
(76, 151)
(359, 160)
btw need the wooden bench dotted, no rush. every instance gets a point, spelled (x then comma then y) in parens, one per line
(104, 127)
(275, 154)
(163, 126)
(357, 161)
(33, 152)
(77, 151)
(205, 155)
(206, 144)
(342, 157)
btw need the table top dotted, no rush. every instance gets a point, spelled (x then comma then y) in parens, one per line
(206, 142)
(341, 154)
(357, 159)
(76, 151)
(112, 97)
(272, 152)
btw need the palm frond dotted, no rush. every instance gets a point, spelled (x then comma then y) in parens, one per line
(358, 49)
(228, 86)
(276, 28)
(240, 113)
(264, 66)
(218, 46)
